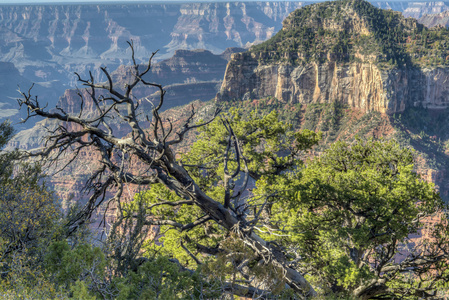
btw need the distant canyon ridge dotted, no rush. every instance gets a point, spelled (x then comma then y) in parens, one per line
(46, 44)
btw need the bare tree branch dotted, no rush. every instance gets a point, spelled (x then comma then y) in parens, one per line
(157, 156)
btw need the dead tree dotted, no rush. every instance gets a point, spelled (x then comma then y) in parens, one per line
(156, 153)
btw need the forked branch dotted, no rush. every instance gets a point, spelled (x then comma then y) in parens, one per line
(153, 150)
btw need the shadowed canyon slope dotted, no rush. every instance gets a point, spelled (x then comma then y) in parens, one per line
(186, 77)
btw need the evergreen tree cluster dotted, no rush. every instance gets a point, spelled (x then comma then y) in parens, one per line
(344, 218)
(333, 31)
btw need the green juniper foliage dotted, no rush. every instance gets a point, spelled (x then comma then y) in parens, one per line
(340, 218)
(389, 40)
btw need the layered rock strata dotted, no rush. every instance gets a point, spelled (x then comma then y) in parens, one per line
(373, 78)
(47, 43)
(438, 19)
(361, 85)
(186, 77)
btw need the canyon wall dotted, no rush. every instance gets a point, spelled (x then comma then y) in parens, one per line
(48, 43)
(420, 8)
(361, 85)
(345, 51)
(43, 39)
(432, 20)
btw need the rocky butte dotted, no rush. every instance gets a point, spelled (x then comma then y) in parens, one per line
(347, 51)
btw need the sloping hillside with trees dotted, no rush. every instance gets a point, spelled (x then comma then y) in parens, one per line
(242, 213)
(356, 31)
(256, 199)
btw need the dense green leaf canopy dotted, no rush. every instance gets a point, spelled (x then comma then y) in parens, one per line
(352, 212)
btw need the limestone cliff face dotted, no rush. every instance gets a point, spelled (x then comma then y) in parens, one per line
(358, 84)
(419, 9)
(363, 77)
(361, 85)
(211, 25)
